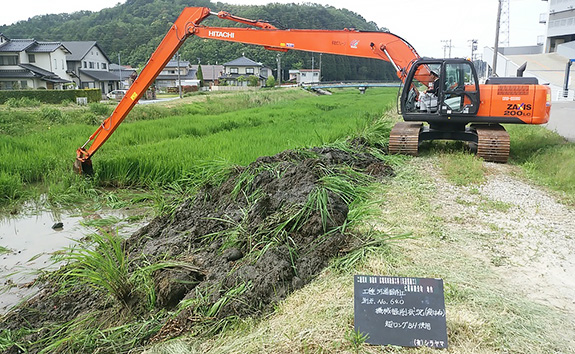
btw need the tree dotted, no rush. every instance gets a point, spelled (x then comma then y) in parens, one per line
(271, 81)
(253, 81)
(200, 75)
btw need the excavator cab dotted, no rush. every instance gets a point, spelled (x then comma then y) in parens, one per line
(436, 88)
(445, 94)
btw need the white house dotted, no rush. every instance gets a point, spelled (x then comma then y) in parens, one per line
(236, 72)
(29, 64)
(89, 66)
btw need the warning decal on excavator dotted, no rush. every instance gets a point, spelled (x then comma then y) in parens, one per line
(354, 43)
(134, 96)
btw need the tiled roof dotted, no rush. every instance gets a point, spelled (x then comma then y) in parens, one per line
(79, 49)
(37, 70)
(16, 74)
(46, 47)
(174, 64)
(242, 61)
(101, 75)
(210, 72)
(17, 45)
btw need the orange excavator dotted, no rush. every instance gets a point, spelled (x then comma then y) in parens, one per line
(445, 93)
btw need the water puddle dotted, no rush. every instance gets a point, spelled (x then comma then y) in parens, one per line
(28, 241)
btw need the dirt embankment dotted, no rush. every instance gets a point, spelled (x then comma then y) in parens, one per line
(265, 232)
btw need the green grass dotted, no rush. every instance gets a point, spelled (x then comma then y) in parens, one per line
(545, 156)
(462, 169)
(159, 145)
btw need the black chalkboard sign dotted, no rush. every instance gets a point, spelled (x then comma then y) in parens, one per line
(403, 311)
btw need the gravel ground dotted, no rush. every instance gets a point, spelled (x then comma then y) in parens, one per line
(534, 251)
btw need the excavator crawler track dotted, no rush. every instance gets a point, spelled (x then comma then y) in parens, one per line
(404, 138)
(492, 142)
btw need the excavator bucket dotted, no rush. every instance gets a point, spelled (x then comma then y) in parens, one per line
(83, 167)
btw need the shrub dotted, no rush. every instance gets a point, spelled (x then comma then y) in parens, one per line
(52, 114)
(22, 102)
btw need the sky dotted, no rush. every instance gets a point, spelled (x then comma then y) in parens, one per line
(428, 25)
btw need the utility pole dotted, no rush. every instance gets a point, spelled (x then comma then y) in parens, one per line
(473, 48)
(320, 67)
(179, 78)
(279, 60)
(504, 36)
(312, 68)
(496, 46)
(446, 44)
(121, 85)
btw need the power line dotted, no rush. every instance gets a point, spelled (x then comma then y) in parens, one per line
(446, 45)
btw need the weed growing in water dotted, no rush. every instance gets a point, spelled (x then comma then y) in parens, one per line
(102, 265)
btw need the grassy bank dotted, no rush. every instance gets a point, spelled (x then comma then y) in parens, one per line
(408, 235)
(159, 145)
(401, 232)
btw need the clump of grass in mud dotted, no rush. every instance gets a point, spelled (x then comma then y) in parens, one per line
(103, 265)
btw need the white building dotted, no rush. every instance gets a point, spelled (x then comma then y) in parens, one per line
(560, 24)
(29, 64)
(305, 76)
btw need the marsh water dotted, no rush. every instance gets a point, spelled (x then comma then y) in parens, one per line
(28, 241)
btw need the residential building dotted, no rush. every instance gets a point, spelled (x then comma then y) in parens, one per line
(305, 76)
(211, 73)
(169, 78)
(29, 64)
(236, 72)
(89, 66)
(126, 74)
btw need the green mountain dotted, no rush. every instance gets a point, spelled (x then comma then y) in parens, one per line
(134, 30)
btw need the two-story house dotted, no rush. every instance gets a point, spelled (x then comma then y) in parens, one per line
(126, 74)
(236, 72)
(29, 64)
(89, 66)
(211, 73)
(168, 77)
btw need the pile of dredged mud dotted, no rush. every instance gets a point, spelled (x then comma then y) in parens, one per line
(248, 242)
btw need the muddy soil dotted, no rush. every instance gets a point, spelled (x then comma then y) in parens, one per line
(246, 243)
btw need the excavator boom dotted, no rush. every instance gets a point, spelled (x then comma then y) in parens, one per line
(457, 100)
(349, 42)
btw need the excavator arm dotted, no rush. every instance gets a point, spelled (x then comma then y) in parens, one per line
(377, 45)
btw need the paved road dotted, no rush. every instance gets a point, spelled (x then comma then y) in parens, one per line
(562, 119)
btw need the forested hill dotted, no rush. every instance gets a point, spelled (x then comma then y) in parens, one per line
(135, 28)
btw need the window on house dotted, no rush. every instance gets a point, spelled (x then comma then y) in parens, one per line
(8, 60)
(104, 66)
(85, 65)
(31, 58)
(250, 71)
(98, 65)
(233, 70)
(91, 65)
(24, 84)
